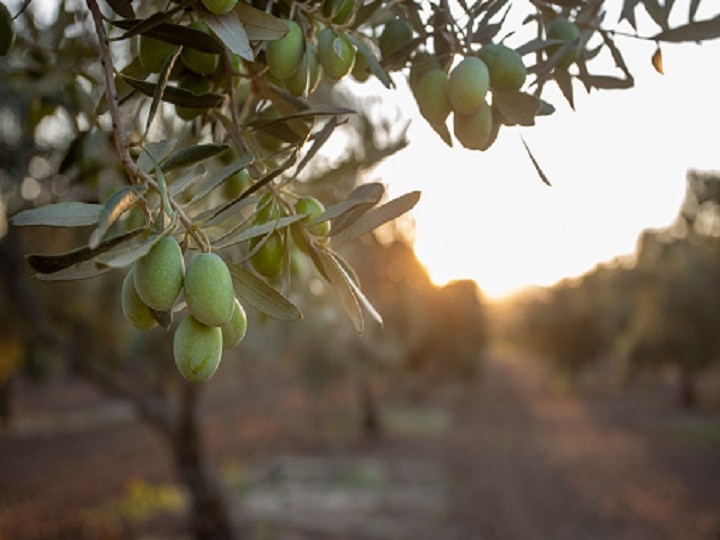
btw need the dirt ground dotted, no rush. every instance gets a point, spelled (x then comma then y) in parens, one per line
(507, 458)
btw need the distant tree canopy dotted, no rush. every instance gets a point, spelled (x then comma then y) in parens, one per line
(661, 310)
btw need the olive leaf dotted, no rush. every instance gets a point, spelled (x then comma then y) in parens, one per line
(369, 195)
(258, 230)
(343, 287)
(372, 61)
(117, 204)
(253, 291)
(259, 26)
(220, 176)
(355, 286)
(165, 70)
(540, 172)
(154, 151)
(175, 95)
(229, 30)
(517, 107)
(49, 264)
(376, 217)
(191, 155)
(126, 256)
(694, 31)
(62, 214)
(82, 271)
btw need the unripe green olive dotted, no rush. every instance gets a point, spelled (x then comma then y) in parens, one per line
(265, 139)
(313, 207)
(237, 184)
(209, 289)
(197, 349)
(268, 260)
(283, 56)
(267, 209)
(335, 63)
(565, 30)
(219, 7)
(197, 85)
(506, 67)
(158, 276)
(233, 331)
(306, 78)
(474, 130)
(200, 62)
(395, 34)
(468, 83)
(135, 310)
(153, 53)
(431, 94)
(423, 62)
(361, 68)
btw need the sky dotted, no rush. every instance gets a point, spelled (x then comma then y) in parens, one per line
(617, 165)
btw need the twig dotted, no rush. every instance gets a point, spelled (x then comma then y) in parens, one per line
(137, 175)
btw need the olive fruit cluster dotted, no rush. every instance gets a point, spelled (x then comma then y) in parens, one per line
(463, 91)
(215, 318)
(268, 251)
(566, 31)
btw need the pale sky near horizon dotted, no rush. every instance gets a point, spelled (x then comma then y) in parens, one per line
(617, 164)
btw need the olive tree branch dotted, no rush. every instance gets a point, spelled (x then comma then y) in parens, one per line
(137, 175)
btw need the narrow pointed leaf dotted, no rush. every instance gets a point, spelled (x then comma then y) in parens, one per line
(192, 155)
(540, 172)
(207, 186)
(49, 264)
(159, 150)
(258, 230)
(82, 271)
(378, 216)
(342, 285)
(373, 63)
(517, 107)
(253, 291)
(259, 26)
(161, 86)
(124, 257)
(229, 30)
(355, 286)
(123, 8)
(175, 95)
(63, 214)
(694, 31)
(370, 194)
(319, 139)
(117, 204)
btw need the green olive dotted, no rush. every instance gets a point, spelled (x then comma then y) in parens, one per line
(200, 62)
(153, 53)
(219, 7)
(474, 130)
(565, 30)
(197, 85)
(233, 331)
(335, 52)
(283, 56)
(268, 260)
(313, 208)
(431, 94)
(395, 35)
(158, 276)
(209, 289)
(468, 83)
(197, 349)
(506, 67)
(135, 310)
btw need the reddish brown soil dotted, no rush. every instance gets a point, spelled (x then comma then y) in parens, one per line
(521, 461)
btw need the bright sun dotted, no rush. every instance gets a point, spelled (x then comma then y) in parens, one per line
(617, 165)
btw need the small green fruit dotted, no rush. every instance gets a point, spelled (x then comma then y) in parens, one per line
(468, 83)
(283, 56)
(267, 209)
(219, 7)
(158, 276)
(197, 85)
(307, 76)
(134, 309)
(236, 184)
(474, 130)
(153, 53)
(209, 289)
(269, 258)
(200, 62)
(197, 349)
(431, 95)
(313, 207)
(361, 68)
(423, 62)
(563, 29)
(233, 331)
(335, 63)
(265, 139)
(506, 67)
(395, 35)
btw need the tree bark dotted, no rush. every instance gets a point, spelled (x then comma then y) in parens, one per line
(209, 517)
